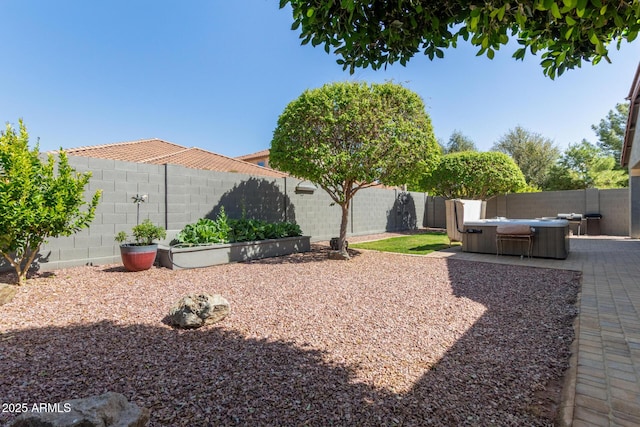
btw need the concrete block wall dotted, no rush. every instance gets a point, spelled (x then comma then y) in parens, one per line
(435, 212)
(315, 213)
(119, 183)
(612, 204)
(614, 207)
(536, 205)
(177, 196)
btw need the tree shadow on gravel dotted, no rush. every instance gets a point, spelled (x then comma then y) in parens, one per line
(197, 378)
(214, 376)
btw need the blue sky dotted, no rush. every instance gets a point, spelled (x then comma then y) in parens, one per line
(217, 74)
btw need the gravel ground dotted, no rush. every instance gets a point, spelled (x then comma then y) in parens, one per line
(381, 340)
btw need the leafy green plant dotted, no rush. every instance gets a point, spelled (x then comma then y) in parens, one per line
(143, 234)
(246, 230)
(206, 231)
(38, 199)
(225, 230)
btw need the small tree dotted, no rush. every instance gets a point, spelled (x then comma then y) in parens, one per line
(611, 130)
(37, 200)
(349, 136)
(474, 175)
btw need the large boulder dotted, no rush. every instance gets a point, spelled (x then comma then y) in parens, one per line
(196, 310)
(107, 410)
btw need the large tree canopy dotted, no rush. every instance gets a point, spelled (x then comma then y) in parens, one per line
(349, 136)
(459, 142)
(585, 165)
(533, 153)
(378, 33)
(611, 130)
(474, 175)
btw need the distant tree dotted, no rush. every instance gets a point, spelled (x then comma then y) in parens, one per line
(459, 142)
(349, 136)
(585, 165)
(37, 200)
(474, 175)
(365, 33)
(533, 153)
(611, 130)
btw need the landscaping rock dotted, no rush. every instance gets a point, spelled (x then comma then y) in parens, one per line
(342, 256)
(7, 292)
(196, 310)
(108, 410)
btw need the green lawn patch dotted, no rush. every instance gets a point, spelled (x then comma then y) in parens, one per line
(417, 244)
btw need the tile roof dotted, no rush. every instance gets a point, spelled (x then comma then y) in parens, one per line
(159, 152)
(256, 155)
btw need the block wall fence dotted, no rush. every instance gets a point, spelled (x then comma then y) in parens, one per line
(177, 196)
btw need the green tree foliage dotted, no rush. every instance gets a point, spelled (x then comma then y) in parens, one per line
(474, 175)
(349, 136)
(38, 199)
(459, 142)
(585, 165)
(610, 132)
(566, 32)
(533, 153)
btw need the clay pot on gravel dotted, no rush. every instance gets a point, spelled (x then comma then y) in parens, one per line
(140, 254)
(138, 258)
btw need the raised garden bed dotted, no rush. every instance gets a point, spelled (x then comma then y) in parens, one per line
(176, 258)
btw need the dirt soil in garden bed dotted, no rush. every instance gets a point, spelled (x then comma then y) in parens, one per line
(383, 339)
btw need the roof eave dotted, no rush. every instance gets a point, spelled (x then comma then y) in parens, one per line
(634, 105)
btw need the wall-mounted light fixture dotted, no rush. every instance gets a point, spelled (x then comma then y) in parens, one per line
(305, 187)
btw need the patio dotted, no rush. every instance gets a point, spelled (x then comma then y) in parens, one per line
(602, 387)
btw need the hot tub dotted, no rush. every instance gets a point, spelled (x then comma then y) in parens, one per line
(551, 237)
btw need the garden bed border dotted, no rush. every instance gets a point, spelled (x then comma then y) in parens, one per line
(201, 256)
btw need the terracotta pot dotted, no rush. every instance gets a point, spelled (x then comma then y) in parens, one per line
(138, 258)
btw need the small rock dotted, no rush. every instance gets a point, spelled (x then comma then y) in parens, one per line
(7, 292)
(196, 310)
(107, 410)
(342, 256)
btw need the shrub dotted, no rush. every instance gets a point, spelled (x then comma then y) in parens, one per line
(144, 234)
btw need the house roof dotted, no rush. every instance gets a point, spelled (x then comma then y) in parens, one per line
(634, 101)
(256, 155)
(159, 152)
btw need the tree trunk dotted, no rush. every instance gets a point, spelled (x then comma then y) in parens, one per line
(20, 269)
(343, 230)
